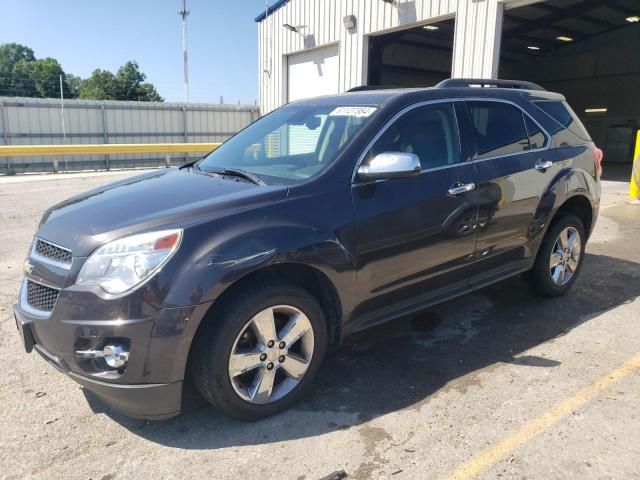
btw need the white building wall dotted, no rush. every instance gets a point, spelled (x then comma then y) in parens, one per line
(476, 39)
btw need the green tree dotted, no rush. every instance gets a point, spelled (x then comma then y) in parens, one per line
(148, 93)
(101, 85)
(74, 83)
(10, 55)
(46, 76)
(131, 86)
(21, 74)
(22, 82)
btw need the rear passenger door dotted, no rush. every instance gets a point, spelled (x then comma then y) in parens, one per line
(510, 150)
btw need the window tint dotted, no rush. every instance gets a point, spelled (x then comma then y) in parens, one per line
(562, 114)
(430, 132)
(499, 128)
(537, 138)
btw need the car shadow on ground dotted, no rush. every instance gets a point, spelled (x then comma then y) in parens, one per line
(401, 364)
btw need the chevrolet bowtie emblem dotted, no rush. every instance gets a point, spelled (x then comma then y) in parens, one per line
(28, 268)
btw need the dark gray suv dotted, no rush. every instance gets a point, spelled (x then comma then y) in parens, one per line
(324, 217)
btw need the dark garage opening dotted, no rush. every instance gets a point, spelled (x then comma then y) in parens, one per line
(588, 51)
(416, 57)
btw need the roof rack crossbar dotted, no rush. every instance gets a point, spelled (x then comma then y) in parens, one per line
(488, 83)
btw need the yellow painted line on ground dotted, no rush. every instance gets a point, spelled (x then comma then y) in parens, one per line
(492, 454)
(103, 149)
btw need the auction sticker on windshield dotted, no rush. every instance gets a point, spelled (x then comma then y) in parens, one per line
(352, 111)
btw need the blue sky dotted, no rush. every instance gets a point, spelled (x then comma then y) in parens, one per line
(88, 34)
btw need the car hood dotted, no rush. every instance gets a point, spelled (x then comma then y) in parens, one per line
(162, 199)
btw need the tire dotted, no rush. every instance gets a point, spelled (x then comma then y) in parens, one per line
(541, 277)
(234, 328)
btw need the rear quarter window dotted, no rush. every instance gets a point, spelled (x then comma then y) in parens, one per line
(562, 113)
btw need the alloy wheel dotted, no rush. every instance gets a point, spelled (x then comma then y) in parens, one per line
(271, 354)
(565, 256)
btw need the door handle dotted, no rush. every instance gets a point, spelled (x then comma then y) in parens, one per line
(543, 166)
(460, 188)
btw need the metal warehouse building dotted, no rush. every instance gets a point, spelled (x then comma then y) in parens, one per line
(589, 50)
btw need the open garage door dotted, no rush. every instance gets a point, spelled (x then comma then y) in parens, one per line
(414, 57)
(313, 73)
(588, 51)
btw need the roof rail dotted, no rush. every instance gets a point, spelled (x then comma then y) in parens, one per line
(364, 88)
(488, 83)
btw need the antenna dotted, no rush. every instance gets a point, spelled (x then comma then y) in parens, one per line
(184, 13)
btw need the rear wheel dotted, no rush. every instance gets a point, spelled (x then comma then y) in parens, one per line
(260, 354)
(560, 257)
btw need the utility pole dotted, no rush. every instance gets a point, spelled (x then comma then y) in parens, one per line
(64, 131)
(184, 12)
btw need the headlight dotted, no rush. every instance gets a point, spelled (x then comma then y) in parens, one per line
(126, 263)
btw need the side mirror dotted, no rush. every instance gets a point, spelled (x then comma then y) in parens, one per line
(390, 165)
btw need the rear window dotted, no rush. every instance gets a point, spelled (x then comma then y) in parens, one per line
(565, 116)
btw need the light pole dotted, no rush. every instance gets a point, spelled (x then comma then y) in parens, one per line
(184, 12)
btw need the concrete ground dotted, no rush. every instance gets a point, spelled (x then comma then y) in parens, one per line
(496, 384)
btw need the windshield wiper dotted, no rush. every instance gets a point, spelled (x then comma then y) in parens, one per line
(236, 172)
(193, 164)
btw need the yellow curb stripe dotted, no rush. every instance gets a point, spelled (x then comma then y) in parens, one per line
(492, 454)
(104, 149)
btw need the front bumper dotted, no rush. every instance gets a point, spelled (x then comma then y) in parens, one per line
(153, 401)
(150, 386)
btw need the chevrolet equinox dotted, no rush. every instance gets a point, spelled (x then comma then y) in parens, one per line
(324, 217)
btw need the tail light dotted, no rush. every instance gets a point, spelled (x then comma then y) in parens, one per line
(597, 157)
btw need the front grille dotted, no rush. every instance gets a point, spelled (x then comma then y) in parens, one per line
(52, 252)
(41, 297)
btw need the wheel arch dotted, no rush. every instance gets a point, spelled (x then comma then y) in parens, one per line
(580, 206)
(308, 277)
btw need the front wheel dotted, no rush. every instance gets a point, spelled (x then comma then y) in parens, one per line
(260, 354)
(560, 257)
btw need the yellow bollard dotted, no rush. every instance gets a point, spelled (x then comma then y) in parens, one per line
(634, 189)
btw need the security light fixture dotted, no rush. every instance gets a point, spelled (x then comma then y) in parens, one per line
(633, 19)
(564, 38)
(595, 110)
(290, 27)
(349, 22)
(533, 47)
(431, 27)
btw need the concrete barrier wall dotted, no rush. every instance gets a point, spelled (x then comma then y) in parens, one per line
(32, 121)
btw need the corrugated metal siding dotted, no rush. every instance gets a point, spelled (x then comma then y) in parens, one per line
(476, 42)
(30, 121)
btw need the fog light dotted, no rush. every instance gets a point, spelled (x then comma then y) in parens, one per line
(114, 355)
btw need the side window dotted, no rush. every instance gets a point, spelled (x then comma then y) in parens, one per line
(537, 138)
(498, 128)
(430, 132)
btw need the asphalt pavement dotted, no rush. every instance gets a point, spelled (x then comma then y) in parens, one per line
(495, 384)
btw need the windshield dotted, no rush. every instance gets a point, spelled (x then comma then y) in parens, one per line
(291, 144)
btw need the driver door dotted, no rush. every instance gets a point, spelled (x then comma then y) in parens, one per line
(415, 236)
